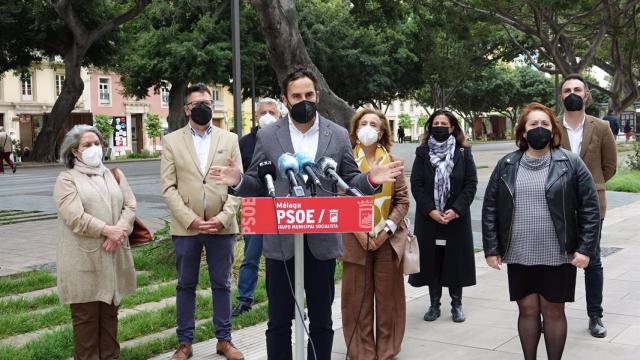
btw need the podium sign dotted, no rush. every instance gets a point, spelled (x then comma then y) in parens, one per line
(308, 215)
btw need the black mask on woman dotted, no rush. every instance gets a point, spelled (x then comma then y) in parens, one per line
(573, 102)
(440, 133)
(201, 114)
(538, 138)
(304, 111)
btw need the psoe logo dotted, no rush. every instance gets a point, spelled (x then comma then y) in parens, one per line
(333, 215)
(365, 214)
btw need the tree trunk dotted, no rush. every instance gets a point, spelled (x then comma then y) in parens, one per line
(177, 93)
(46, 145)
(287, 50)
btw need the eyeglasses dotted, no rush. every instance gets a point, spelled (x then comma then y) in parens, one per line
(207, 103)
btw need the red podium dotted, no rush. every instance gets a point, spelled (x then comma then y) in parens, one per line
(305, 215)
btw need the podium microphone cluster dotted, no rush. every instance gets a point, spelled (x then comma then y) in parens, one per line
(288, 167)
(267, 172)
(327, 167)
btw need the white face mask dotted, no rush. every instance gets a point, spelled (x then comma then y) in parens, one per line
(367, 135)
(92, 156)
(266, 119)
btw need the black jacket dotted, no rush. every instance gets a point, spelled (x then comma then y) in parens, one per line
(571, 197)
(247, 145)
(458, 264)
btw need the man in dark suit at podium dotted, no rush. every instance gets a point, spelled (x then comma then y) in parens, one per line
(302, 131)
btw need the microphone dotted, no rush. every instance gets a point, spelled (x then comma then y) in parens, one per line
(288, 167)
(328, 167)
(306, 164)
(267, 172)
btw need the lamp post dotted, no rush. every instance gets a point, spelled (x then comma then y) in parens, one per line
(235, 48)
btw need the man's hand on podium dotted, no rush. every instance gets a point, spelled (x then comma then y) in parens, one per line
(226, 175)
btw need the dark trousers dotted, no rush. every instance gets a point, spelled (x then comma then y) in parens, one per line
(319, 289)
(594, 282)
(248, 276)
(95, 331)
(219, 254)
(5, 156)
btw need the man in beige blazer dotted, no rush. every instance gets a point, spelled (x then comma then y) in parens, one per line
(202, 215)
(591, 138)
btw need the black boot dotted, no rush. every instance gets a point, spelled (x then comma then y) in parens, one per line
(434, 310)
(456, 305)
(596, 328)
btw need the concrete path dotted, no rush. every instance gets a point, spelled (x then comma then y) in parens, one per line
(490, 331)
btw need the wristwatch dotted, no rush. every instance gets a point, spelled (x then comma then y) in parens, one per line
(387, 229)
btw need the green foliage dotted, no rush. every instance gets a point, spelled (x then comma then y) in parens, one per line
(626, 181)
(144, 154)
(633, 161)
(152, 127)
(47, 35)
(25, 282)
(103, 124)
(404, 121)
(422, 121)
(362, 60)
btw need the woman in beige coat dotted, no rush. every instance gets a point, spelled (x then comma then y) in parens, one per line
(94, 262)
(373, 262)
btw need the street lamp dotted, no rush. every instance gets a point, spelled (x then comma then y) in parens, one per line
(235, 48)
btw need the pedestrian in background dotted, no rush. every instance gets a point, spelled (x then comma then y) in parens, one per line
(444, 182)
(627, 132)
(540, 216)
(6, 148)
(613, 122)
(373, 262)
(400, 135)
(268, 113)
(94, 263)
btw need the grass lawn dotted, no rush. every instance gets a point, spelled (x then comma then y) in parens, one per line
(626, 181)
(156, 281)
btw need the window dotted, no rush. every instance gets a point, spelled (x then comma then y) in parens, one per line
(164, 97)
(27, 87)
(2, 120)
(411, 106)
(215, 95)
(104, 91)
(401, 106)
(59, 83)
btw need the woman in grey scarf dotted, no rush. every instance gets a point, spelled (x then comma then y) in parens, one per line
(443, 182)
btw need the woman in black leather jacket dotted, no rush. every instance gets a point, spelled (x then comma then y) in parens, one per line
(540, 216)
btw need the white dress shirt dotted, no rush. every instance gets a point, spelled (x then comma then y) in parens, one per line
(575, 135)
(305, 142)
(202, 143)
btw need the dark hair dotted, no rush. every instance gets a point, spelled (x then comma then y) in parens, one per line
(197, 87)
(521, 126)
(384, 141)
(461, 140)
(298, 73)
(588, 99)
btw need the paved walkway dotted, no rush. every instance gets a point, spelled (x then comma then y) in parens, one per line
(490, 331)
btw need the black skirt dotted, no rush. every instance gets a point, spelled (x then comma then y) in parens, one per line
(557, 284)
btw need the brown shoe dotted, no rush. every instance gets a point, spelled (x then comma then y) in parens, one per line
(229, 350)
(184, 352)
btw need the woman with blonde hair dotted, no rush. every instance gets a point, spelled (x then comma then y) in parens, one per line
(94, 263)
(372, 262)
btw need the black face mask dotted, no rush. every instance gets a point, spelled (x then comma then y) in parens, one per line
(538, 138)
(440, 133)
(201, 114)
(303, 112)
(573, 102)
